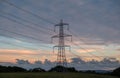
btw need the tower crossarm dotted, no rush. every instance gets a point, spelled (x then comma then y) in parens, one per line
(61, 56)
(57, 46)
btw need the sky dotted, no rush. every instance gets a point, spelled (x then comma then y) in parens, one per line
(26, 28)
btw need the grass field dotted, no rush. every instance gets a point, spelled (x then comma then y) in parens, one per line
(52, 75)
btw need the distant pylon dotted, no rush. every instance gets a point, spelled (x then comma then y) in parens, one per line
(61, 56)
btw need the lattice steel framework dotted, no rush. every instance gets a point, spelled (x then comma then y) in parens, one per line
(61, 56)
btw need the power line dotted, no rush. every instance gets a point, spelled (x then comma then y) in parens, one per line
(24, 36)
(72, 52)
(28, 12)
(28, 21)
(33, 15)
(84, 42)
(32, 27)
(87, 51)
(30, 48)
(84, 50)
(23, 24)
(5, 42)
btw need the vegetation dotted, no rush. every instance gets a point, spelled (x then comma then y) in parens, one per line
(116, 72)
(62, 69)
(37, 70)
(56, 72)
(53, 75)
(11, 69)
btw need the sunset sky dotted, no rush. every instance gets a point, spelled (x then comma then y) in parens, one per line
(26, 28)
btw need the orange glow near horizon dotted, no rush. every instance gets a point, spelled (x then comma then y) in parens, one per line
(10, 55)
(15, 51)
(85, 51)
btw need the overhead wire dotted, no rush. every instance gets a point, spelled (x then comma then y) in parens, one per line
(28, 21)
(19, 23)
(19, 33)
(8, 43)
(39, 18)
(30, 26)
(22, 36)
(78, 45)
(27, 11)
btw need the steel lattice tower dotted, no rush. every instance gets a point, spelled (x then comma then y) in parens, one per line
(61, 56)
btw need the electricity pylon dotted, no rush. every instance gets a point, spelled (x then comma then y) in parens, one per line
(61, 56)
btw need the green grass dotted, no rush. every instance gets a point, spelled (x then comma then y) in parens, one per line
(52, 75)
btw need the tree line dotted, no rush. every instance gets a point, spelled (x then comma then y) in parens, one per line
(115, 72)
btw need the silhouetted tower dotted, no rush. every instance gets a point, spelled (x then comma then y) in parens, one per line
(61, 56)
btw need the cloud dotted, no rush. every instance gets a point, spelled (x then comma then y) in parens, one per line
(79, 64)
(85, 51)
(96, 22)
(105, 64)
(118, 49)
(95, 17)
(22, 61)
(25, 54)
(17, 52)
(38, 62)
(77, 61)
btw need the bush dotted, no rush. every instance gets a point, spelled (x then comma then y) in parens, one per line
(12, 69)
(116, 72)
(37, 70)
(62, 69)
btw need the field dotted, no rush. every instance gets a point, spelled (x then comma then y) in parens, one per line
(52, 75)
